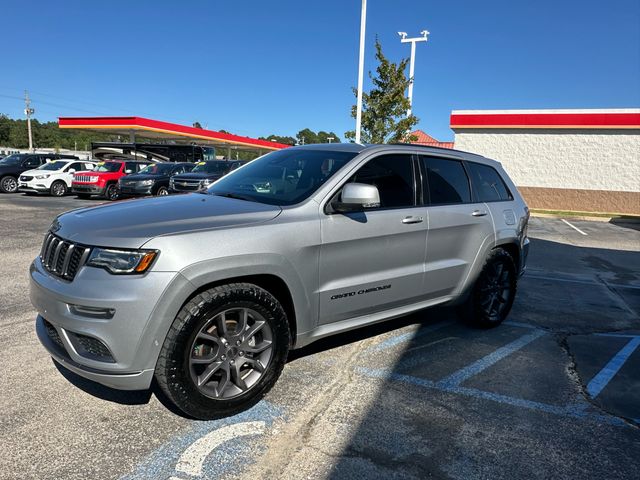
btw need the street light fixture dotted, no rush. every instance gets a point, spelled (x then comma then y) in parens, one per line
(330, 138)
(412, 41)
(363, 24)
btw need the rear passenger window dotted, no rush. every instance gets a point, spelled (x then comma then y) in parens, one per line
(447, 181)
(488, 186)
(393, 176)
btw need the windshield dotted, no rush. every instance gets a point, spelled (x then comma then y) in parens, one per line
(52, 165)
(15, 159)
(285, 177)
(211, 167)
(157, 169)
(108, 167)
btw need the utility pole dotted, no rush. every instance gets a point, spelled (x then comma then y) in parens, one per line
(28, 111)
(413, 41)
(363, 24)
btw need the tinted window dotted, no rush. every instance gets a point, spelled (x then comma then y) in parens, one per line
(447, 181)
(393, 176)
(488, 186)
(33, 162)
(77, 166)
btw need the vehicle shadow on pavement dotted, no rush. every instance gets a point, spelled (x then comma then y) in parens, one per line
(453, 401)
(124, 397)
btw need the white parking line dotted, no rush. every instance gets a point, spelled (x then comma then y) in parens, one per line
(573, 226)
(192, 460)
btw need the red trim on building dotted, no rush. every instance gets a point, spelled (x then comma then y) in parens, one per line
(140, 123)
(546, 120)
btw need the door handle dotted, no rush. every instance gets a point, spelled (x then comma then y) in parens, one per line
(478, 213)
(412, 219)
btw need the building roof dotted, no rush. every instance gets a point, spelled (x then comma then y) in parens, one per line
(157, 129)
(428, 140)
(622, 118)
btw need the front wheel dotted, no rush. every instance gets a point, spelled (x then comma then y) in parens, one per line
(8, 184)
(112, 192)
(58, 189)
(493, 293)
(224, 351)
(162, 192)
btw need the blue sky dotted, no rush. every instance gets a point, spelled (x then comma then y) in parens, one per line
(258, 67)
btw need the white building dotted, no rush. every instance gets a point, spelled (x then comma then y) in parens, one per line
(579, 160)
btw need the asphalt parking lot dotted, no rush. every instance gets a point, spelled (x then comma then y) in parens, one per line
(553, 393)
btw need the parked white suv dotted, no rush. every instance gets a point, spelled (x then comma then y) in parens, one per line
(53, 177)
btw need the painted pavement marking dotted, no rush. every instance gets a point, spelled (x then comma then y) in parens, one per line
(600, 381)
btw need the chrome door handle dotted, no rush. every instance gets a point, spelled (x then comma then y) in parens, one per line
(412, 219)
(478, 213)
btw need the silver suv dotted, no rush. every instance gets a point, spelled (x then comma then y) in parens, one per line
(207, 292)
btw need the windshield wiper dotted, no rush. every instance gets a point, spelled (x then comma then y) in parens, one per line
(233, 195)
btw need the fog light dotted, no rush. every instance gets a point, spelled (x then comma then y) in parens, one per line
(92, 312)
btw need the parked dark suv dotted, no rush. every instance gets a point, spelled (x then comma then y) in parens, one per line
(12, 166)
(203, 175)
(152, 180)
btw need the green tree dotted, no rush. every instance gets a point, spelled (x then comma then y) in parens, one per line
(384, 108)
(197, 125)
(323, 137)
(280, 139)
(306, 136)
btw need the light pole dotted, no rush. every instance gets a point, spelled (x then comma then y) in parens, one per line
(330, 138)
(413, 41)
(28, 112)
(363, 23)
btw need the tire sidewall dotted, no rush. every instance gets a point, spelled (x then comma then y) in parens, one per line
(112, 187)
(64, 188)
(5, 179)
(162, 189)
(181, 389)
(478, 315)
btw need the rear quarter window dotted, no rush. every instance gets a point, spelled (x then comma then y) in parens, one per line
(488, 185)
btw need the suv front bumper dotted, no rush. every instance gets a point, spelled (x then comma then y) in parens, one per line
(120, 351)
(87, 189)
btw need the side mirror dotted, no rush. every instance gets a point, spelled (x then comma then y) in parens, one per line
(356, 197)
(128, 171)
(72, 170)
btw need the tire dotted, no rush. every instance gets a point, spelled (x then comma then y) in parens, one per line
(493, 293)
(8, 184)
(111, 192)
(83, 196)
(244, 367)
(162, 191)
(58, 189)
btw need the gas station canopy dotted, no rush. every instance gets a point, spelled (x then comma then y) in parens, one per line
(135, 128)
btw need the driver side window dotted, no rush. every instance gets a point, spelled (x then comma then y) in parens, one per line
(393, 176)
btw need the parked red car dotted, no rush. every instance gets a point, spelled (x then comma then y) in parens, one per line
(103, 181)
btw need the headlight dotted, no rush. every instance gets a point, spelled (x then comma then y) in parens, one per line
(146, 182)
(40, 177)
(206, 182)
(122, 261)
(171, 182)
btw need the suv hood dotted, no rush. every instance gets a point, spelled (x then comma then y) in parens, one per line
(132, 223)
(198, 176)
(138, 177)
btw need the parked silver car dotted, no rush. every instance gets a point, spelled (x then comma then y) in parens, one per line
(207, 292)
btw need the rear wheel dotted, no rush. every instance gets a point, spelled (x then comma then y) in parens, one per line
(8, 184)
(493, 293)
(111, 193)
(162, 191)
(225, 350)
(58, 188)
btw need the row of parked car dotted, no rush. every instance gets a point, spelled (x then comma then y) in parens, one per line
(58, 175)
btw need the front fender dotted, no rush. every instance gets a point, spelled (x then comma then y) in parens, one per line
(216, 270)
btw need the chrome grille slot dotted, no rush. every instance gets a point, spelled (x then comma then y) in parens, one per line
(84, 178)
(62, 258)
